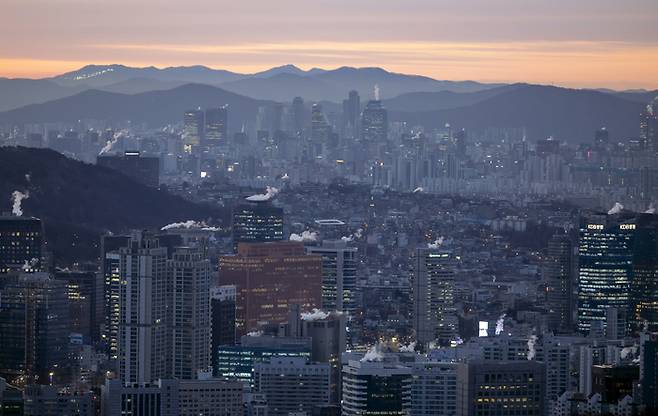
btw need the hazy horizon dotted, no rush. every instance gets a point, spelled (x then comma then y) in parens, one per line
(590, 44)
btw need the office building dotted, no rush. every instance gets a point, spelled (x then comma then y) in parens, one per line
(269, 278)
(40, 400)
(433, 283)
(257, 222)
(210, 397)
(111, 272)
(298, 116)
(86, 302)
(189, 322)
(605, 251)
(614, 382)
(351, 113)
(644, 286)
(320, 129)
(649, 372)
(374, 122)
(339, 263)
(375, 385)
(216, 129)
(236, 362)
(222, 319)
(34, 329)
(558, 270)
(143, 341)
(292, 384)
(193, 129)
(328, 335)
(434, 388)
(649, 127)
(500, 388)
(21, 244)
(140, 168)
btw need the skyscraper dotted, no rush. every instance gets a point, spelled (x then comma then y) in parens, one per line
(375, 387)
(216, 129)
(86, 302)
(351, 113)
(605, 251)
(141, 168)
(189, 322)
(500, 388)
(558, 271)
(433, 296)
(339, 264)
(21, 244)
(644, 286)
(374, 123)
(111, 271)
(143, 341)
(292, 384)
(269, 278)
(222, 319)
(649, 127)
(34, 328)
(320, 129)
(193, 128)
(257, 222)
(297, 116)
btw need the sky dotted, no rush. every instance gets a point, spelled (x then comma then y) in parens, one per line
(576, 43)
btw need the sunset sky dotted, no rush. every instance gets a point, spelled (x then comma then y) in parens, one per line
(579, 43)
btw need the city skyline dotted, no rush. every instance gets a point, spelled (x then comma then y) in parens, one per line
(589, 44)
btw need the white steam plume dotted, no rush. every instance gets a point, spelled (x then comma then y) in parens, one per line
(315, 315)
(626, 351)
(531, 347)
(270, 192)
(437, 243)
(650, 210)
(17, 198)
(357, 234)
(500, 324)
(304, 236)
(408, 348)
(189, 224)
(373, 354)
(419, 189)
(254, 333)
(616, 209)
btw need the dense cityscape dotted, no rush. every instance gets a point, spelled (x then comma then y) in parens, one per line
(323, 242)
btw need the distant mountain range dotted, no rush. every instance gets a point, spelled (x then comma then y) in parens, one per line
(160, 96)
(78, 201)
(566, 114)
(156, 108)
(279, 84)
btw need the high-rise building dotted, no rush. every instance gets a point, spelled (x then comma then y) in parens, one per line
(21, 244)
(601, 138)
(236, 362)
(141, 168)
(644, 286)
(558, 270)
(222, 319)
(649, 372)
(327, 332)
(605, 266)
(269, 278)
(433, 285)
(339, 263)
(111, 271)
(297, 115)
(193, 128)
(86, 302)
(171, 397)
(500, 388)
(320, 129)
(257, 222)
(351, 113)
(292, 384)
(374, 123)
(43, 400)
(189, 322)
(34, 329)
(143, 341)
(216, 130)
(649, 127)
(378, 387)
(434, 388)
